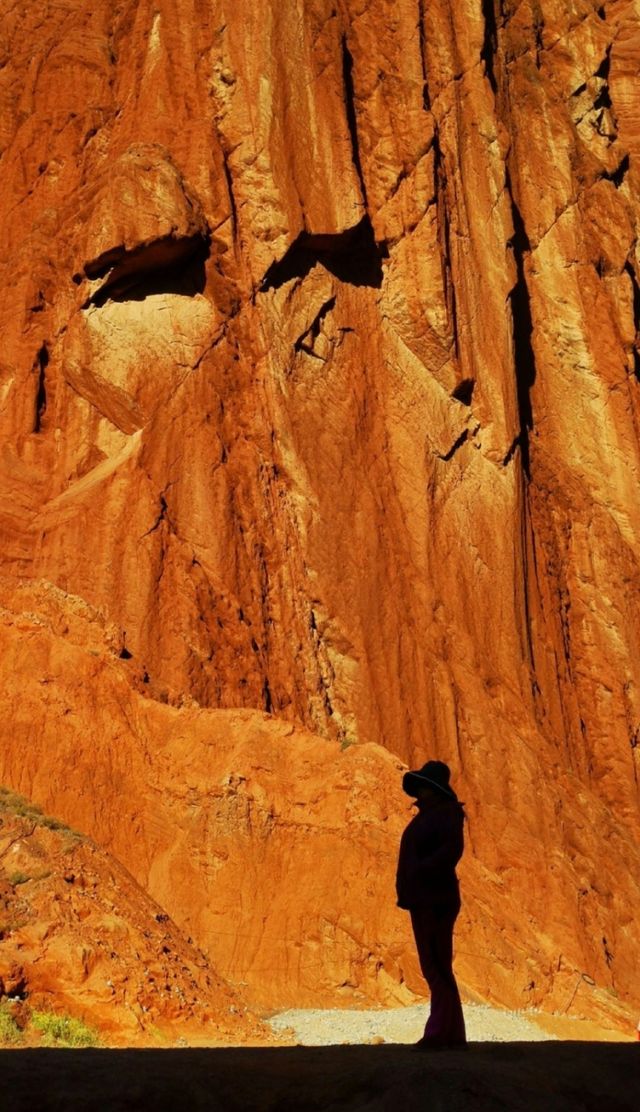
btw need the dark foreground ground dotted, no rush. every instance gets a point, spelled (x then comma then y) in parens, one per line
(544, 1076)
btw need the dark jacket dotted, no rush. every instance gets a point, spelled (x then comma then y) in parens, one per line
(430, 849)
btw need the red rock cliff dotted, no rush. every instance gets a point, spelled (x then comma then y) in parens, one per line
(320, 387)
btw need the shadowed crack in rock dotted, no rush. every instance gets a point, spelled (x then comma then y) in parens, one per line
(40, 405)
(490, 43)
(350, 110)
(306, 341)
(635, 287)
(167, 265)
(353, 256)
(525, 366)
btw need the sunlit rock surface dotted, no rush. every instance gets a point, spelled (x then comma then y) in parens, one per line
(319, 405)
(79, 938)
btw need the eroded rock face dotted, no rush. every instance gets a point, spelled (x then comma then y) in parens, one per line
(78, 936)
(320, 382)
(275, 849)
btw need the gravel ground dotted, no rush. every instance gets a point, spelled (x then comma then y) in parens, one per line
(401, 1025)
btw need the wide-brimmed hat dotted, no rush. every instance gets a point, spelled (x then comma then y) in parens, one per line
(434, 774)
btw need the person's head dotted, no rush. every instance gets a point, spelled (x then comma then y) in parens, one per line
(428, 795)
(429, 784)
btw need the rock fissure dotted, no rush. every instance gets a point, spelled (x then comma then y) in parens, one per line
(167, 265)
(228, 177)
(162, 517)
(306, 341)
(352, 256)
(422, 46)
(463, 392)
(538, 28)
(511, 451)
(455, 79)
(440, 190)
(464, 435)
(603, 72)
(407, 170)
(490, 42)
(40, 404)
(351, 114)
(617, 176)
(635, 293)
(524, 356)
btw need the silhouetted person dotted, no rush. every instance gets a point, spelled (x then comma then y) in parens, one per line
(427, 886)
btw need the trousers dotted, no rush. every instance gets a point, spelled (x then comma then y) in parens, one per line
(433, 932)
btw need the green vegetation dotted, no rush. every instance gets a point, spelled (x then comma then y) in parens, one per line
(48, 1029)
(18, 878)
(14, 804)
(10, 1033)
(63, 1030)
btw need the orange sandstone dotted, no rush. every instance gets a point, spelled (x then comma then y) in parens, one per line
(319, 400)
(79, 937)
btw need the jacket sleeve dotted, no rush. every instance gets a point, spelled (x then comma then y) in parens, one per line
(446, 856)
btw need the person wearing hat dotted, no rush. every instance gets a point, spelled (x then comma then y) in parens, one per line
(427, 888)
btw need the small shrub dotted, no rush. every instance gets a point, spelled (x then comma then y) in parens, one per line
(17, 805)
(64, 1030)
(10, 1033)
(54, 824)
(18, 878)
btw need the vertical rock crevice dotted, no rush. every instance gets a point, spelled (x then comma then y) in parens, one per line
(233, 210)
(524, 357)
(422, 42)
(635, 289)
(440, 191)
(490, 43)
(40, 403)
(267, 699)
(350, 111)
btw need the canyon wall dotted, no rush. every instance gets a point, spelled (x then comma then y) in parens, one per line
(319, 390)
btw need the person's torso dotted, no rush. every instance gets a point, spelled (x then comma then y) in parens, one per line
(429, 831)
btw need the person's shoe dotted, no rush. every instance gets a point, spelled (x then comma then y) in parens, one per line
(427, 1043)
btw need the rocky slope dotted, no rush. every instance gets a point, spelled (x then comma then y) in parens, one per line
(79, 938)
(319, 391)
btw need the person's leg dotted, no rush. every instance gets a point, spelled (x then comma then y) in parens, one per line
(424, 931)
(434, 941)
(451, 1026)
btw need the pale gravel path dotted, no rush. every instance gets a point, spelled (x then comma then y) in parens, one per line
(326, 1027)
